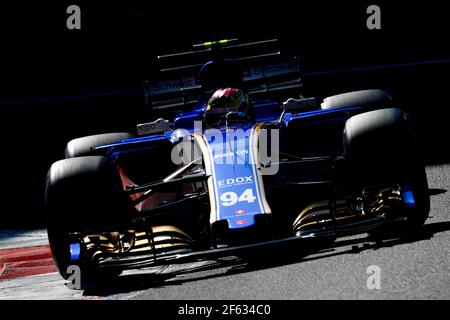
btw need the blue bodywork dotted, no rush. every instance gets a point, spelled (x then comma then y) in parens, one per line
(236, 187)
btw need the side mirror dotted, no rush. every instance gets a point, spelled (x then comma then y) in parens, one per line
(155, 127)
(298, 105)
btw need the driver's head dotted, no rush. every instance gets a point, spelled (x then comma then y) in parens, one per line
(224, 101)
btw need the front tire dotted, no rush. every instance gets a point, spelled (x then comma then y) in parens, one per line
(85, 146)
(81, 194)
(380, 147)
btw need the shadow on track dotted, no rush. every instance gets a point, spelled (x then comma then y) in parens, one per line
(436, 191)
(237, 265)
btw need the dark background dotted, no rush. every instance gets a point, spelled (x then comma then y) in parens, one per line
(57, 84)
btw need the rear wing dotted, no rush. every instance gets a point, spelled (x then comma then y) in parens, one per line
(265, 71)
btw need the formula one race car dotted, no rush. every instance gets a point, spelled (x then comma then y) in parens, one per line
(248, 164)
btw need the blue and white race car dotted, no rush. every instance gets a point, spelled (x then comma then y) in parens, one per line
(242, 162)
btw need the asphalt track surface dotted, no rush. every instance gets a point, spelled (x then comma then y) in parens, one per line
(410, 268)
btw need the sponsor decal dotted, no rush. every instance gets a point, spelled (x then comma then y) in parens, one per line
(172, 85)
(234, 181)
(231, 154)
(270, 70)
(253, 146)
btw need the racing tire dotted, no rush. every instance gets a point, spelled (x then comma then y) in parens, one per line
(84, 146)
(368, 99)
(81, 194)
(380, 147)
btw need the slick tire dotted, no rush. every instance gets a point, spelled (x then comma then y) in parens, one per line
(380, 147)
(85, 146)
(81, 194)
(368, 99)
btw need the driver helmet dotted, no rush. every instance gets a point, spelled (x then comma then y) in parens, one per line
(224, 101)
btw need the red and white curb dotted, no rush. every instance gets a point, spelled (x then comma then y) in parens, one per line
(27, 271)
(23, 262)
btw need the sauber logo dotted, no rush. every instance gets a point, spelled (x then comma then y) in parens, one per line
(240, 211)
(241, 221)
(171, 85)
(239, 180)
(231, 154)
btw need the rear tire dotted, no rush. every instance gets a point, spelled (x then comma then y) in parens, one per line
(368, 99)
(380, 147)
(81, 194)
